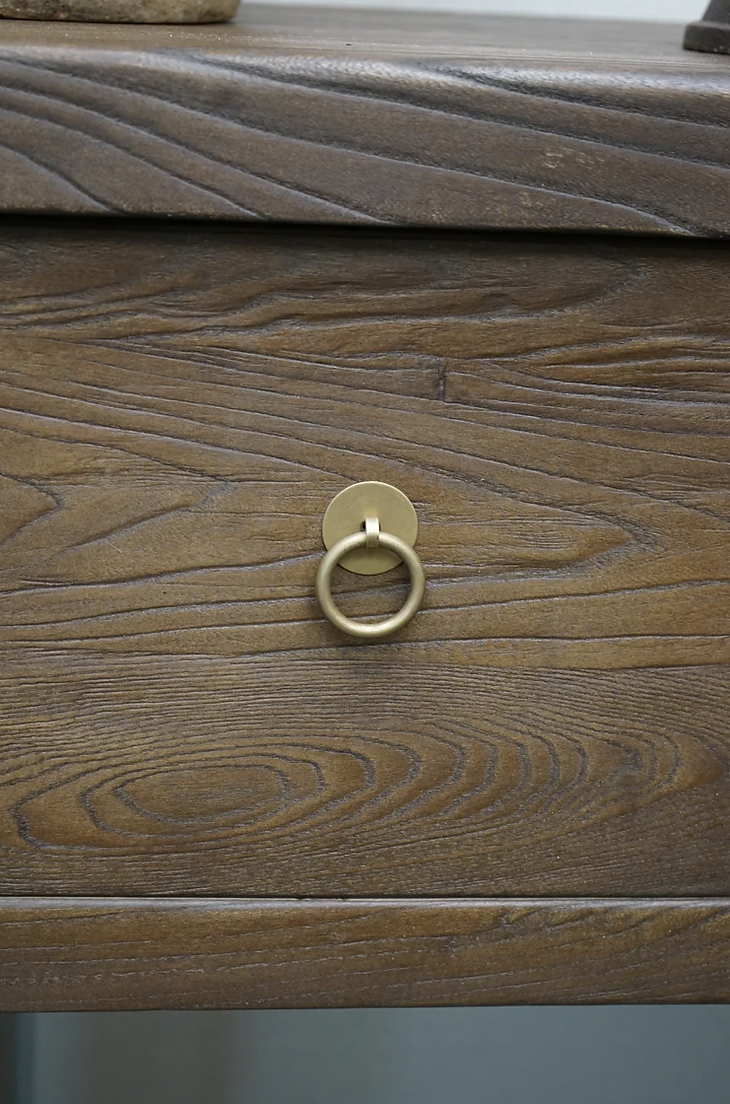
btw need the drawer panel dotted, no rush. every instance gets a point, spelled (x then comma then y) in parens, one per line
(178, 406)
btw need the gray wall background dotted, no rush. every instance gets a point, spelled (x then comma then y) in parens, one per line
(668, 11)
(660, 1055)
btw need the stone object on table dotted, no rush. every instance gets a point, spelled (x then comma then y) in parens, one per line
(121, 11)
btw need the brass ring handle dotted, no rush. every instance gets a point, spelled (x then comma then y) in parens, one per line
(361, 629)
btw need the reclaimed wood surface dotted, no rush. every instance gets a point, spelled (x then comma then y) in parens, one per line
(65, 955)
(339, 117)
(178, 406)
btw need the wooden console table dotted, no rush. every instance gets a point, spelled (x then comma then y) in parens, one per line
(242, 267)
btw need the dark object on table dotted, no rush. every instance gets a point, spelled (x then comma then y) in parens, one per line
(712, 34)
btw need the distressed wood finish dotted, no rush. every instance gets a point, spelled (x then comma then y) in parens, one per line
(327, 116)
(388, 775)
(131, 954)
(178, 406)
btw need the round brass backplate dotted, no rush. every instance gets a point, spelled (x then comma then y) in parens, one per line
(346, 514)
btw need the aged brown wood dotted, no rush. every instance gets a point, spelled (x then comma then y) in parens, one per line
(62, 955)
(325, 116)
(178, 406)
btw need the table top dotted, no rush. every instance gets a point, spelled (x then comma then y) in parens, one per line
(342, 116)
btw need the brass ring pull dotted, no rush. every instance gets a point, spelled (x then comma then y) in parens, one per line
(371, 537)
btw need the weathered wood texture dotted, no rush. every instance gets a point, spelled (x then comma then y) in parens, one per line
(61, 955)
(327, 116)
(178, 406)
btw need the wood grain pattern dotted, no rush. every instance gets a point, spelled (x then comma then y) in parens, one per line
(331, 117)
(179, 404)
(125, 954)
(353, 776)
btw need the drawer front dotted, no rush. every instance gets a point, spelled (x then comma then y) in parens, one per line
(178, 406)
